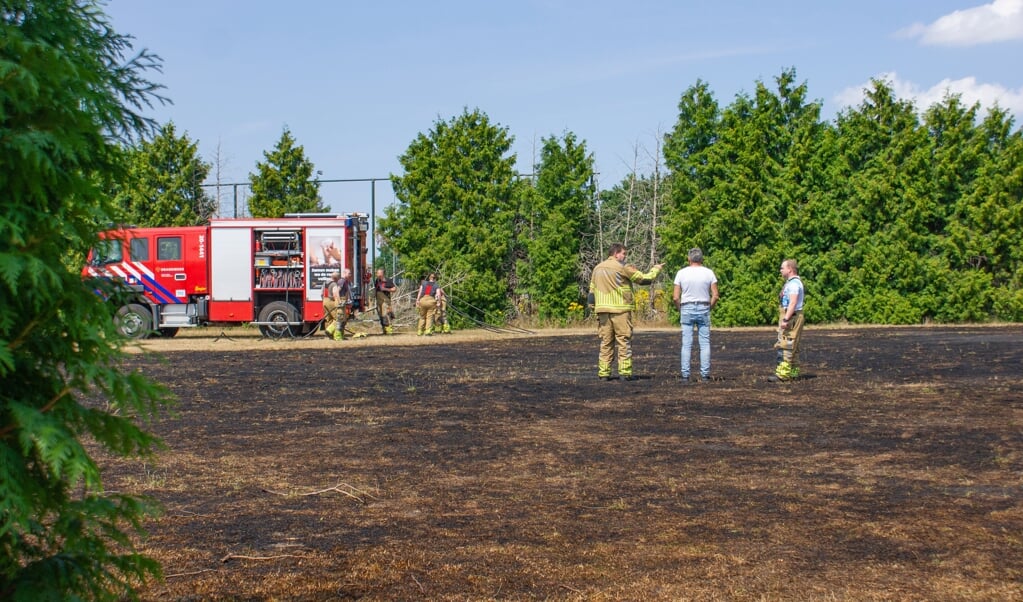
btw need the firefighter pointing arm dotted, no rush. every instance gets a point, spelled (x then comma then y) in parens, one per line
(611, 285)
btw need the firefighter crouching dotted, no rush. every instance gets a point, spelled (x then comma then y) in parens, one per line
(426, 304)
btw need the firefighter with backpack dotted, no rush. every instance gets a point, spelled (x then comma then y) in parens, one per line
(337, 293)
(330, 304)
(426, 305)
(383, 287)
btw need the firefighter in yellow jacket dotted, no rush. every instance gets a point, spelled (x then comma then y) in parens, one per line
(613, 302)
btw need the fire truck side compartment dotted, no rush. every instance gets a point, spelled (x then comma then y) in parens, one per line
(231, 275)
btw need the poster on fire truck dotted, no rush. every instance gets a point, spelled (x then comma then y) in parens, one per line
(325, 257)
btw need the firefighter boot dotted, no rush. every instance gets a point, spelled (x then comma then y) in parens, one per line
(339, 334)
(446, 329)
(388, 330)
(784, 372)
(625, 368)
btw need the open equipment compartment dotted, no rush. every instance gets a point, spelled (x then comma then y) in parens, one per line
(278, 260)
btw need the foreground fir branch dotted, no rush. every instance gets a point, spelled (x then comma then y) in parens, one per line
(71, 90)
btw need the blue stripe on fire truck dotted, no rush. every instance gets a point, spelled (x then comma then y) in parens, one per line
(136, 273)
(158, 292)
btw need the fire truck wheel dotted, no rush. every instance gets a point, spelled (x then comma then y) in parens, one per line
(278, 318)
(135, 321)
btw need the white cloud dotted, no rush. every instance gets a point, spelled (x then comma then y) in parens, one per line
(999, 21)
(971, 91)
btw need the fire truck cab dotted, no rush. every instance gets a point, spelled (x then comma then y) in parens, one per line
(266, 272)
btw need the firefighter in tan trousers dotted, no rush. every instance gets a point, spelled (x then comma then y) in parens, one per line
(790, 323)
(330, 303)
(441, 320)
(336, 304)
(613, 301)
(383, 287)
(426, 305)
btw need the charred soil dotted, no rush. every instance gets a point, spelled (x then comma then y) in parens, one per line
(501, 468)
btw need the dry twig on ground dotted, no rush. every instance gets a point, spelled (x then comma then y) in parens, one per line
(336, 488)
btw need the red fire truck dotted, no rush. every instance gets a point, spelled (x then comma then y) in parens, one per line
(266, 272)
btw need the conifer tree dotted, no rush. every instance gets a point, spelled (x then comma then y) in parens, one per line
(691, 173)
(72, 89)
(884, 177)
(163, 186)
(554, 222)
(894, 218)
(734, 183)
(285, 182)
(456, 212)
(983, 231)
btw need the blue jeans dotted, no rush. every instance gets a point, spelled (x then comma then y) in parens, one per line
(698, 315)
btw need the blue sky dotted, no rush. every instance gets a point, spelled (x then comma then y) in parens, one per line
(357, 82)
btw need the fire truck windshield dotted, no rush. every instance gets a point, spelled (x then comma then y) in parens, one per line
(107, 251)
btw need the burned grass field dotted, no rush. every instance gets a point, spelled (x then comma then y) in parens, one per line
(503, 469)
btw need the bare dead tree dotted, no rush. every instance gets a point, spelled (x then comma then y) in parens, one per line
(628, 213)
(219, 165)
(600, 217)
(655, 201)
(631, 197)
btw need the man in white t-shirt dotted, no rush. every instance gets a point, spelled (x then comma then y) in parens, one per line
(696, 292)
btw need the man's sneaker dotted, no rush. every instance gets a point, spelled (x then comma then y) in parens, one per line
(704, 379)
(684, 381)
